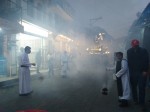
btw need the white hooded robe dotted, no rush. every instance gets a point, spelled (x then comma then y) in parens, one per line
(24, 74)
(124, 74)
(64, 64)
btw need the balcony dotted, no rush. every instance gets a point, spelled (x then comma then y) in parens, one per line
(10, 10)
(37, 16)
(62, 8)
(10, 15)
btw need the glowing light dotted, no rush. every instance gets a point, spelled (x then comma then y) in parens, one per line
(107, 52)
(23, 37)
(100, 49)
(50, 32)
(62, 37)
(28, 27)
(100, 34)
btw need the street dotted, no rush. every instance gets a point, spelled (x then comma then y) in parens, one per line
(79, 92)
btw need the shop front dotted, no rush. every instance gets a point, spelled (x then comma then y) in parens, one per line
(38, 39)
(62, 43)
(12, 45)
(8, 31)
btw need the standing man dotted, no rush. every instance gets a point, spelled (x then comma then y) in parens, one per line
(24, 73)
(64, 64)
(138, 62)
(51, 64)
(38, 60)
(122, 76)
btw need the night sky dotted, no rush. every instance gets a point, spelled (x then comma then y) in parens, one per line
(117, 15)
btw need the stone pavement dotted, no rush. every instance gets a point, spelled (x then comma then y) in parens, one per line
(79, 92)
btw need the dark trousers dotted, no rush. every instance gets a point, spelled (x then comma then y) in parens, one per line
(51, 69)
(138, 85)
(119, 86)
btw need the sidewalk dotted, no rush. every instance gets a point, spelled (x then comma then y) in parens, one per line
(9, 81)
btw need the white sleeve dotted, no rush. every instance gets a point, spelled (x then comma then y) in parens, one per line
(124, 68)
(25, 60)
(111, 68)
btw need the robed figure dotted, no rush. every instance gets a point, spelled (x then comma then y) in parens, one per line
(24, 72)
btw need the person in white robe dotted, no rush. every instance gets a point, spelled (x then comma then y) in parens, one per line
(64, 64)
(51, 64)
(24, 72)
(122, 76)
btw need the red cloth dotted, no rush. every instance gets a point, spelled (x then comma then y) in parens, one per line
(134, 43)
(32, 111)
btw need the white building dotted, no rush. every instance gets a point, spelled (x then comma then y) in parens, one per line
(38, 24)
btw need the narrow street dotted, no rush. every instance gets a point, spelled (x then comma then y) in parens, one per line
(79, 92)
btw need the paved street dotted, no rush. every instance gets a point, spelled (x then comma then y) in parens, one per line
(79, 92)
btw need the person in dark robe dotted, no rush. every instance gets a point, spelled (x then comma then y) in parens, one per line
(122, 78)
(138, 61)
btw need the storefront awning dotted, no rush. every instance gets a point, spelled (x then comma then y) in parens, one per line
(10, 27)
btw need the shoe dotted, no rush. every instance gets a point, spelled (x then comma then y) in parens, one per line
(124, 103)
(24, 94)
(104, 89)
(119, 100)
(104, 93)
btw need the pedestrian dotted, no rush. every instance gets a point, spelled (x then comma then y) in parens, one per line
(122, 78)
(64, 64)
(24, 73)
(51, 64)
(38, 58)
(138, 61)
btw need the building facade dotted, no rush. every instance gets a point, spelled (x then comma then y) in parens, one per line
(140, 29)
(10, 15)
(33, 23)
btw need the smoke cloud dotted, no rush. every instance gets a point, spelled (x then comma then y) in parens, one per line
(117, 16)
